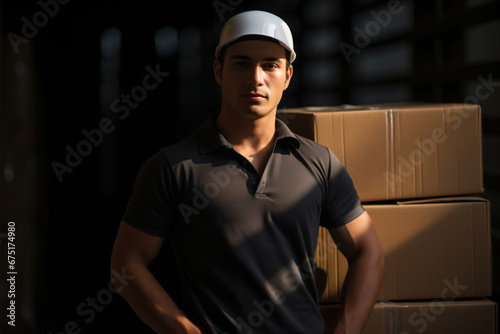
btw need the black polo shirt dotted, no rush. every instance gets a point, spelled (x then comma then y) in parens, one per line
(245, 243)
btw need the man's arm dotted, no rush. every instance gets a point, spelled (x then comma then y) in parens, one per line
(359, 243)
(133, 251)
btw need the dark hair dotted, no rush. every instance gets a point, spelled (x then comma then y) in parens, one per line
(223, 50)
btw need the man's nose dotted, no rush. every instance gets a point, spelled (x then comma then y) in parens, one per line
(255, 76)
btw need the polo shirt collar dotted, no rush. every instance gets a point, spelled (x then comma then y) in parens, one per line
(286, 133)
(209, 139)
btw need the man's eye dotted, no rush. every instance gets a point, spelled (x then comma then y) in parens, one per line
(271, 66)
(240, 64)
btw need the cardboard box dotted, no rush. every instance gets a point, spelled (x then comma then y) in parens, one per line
(430, 317)
(400, 151)
(439, 248)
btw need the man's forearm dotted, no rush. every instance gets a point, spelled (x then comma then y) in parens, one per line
(152, 303)
(359, 292)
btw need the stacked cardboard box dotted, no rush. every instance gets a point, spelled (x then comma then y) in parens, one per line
(462, 316)
(406, 162)
(400, 151)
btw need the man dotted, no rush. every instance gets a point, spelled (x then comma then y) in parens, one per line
(241, 201)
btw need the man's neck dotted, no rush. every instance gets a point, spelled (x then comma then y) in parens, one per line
(252, 138)
(246, 134)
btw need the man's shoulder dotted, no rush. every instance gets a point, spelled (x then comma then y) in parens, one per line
(200, 142)
(318, 154)
(185, 148)
(310, 146)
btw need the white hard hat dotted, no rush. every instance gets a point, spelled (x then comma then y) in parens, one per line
(256, 22)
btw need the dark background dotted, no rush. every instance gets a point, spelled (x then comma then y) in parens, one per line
(83, 55)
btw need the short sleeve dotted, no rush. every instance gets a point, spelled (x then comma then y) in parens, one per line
(342, 203)
(151, 206)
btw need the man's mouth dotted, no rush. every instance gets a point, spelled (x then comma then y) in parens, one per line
(254, 96)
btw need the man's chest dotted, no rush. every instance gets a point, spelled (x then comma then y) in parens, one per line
(231, 197)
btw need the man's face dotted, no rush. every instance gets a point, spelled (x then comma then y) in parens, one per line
(253, 77)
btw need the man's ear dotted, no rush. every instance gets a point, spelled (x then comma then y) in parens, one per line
(289, 74)
(218, 71)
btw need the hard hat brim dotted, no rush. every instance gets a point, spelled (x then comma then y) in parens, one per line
(247, 37)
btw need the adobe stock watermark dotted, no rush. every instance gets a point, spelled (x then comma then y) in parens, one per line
(88, 309)
(428, 314)
(121, 107)
(30, 27)
(372, 28)
(426, 147)
(287, 280)
(221, 7)
(201, 198)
